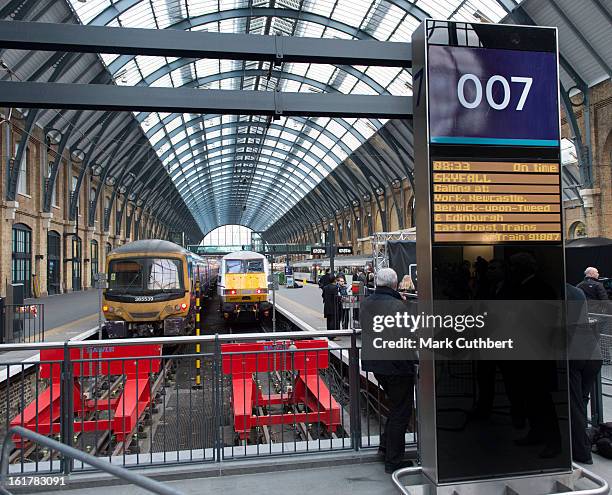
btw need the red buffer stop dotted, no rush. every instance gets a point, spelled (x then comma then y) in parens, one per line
(304, 359)
(136, 363)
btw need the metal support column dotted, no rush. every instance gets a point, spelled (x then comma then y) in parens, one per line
(67, 413)
(331, 247)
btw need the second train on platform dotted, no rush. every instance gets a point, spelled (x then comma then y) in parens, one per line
(152, 289)
(243, 286)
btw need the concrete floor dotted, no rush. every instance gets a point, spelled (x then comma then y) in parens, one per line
(356, 479)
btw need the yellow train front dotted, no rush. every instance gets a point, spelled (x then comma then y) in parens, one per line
(151, 289)
(243, 286)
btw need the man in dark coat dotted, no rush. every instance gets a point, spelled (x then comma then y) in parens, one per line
(324, 280)
(396, 377)
(584, 366)
(593, 289)
(332, 305)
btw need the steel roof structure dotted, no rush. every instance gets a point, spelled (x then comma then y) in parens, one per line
(208, 170)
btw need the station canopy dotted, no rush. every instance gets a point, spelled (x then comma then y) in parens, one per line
(251, 170)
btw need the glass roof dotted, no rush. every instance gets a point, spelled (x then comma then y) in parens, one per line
(250, 170)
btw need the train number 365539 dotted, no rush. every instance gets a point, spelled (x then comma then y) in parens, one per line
(143, 299)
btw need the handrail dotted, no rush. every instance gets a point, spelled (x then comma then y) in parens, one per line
(190, 339)
(72, 453)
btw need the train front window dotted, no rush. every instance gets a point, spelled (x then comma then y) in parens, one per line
(254, 266)
(244, 266)
(164, 274)
(233, 266)
(145, 275)
(125, 275)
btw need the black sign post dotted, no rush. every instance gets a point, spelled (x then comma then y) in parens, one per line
(487, 165)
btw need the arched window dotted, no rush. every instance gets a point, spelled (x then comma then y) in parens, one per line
(577, 230)
(234, 236)
(22, 257)
(92, 197)
(54, 255)
(73, 192)
(77, 278)
(93, 261)
(23, 186)
(108, 248)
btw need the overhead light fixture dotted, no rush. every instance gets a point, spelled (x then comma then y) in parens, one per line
(110, 181)
(77, 155)
(96, 170)
(53, 136)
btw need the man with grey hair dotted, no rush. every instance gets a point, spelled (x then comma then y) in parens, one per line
(386, 277)
(593, 289)
(396, 377)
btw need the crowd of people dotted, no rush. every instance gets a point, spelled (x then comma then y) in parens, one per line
(336, 294)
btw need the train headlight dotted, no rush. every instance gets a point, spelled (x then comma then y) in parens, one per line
(177, 308)
(105, 308)
(183, 306)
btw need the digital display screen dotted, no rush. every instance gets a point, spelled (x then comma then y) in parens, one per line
(492, 96)
(495, 202)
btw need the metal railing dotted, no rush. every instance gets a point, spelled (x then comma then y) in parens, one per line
(283, 397)
(22, 323)
(603, 386)
(69, 453)
(411, 480)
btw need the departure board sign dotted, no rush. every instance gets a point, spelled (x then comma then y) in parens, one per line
(493, 96)
(488, 211)
(495, 202)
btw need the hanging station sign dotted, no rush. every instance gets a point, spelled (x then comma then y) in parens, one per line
(344, 250)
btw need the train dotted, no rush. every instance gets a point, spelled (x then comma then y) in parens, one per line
(243, 286)
(152, 289)
(309, 271)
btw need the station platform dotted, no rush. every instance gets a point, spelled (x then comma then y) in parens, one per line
(304, 307)
(355, 473)
(71, 316)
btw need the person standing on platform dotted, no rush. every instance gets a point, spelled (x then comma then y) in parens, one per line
(394, 376)
(370, 277)
(331, 305)
(324, 279)
(584, 366)
(591, 286)
(343, 295)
